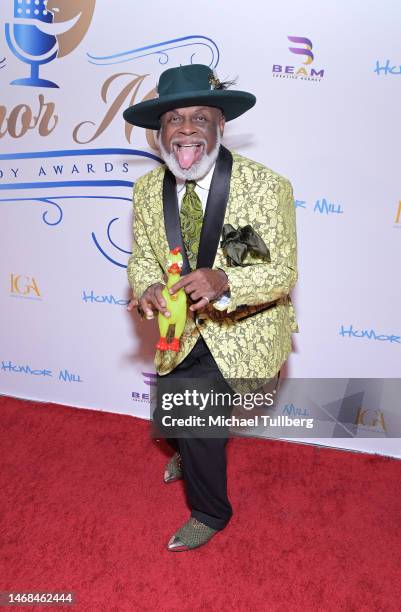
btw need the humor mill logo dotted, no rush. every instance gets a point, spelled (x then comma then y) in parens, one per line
(93, 298)
(388, 68)
(293, 72)
(24, 286)
(42, 30)
(28, 370)
(369, 334)
(322, 206)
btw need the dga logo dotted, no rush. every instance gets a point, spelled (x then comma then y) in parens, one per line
(397, 221)
(42, 30)
(24, 286)
(292, 72)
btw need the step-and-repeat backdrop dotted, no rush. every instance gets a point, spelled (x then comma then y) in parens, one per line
(328, 86)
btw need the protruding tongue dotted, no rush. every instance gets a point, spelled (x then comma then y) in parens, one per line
(186, 156)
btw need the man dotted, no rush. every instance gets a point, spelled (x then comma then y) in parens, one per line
(240, 316)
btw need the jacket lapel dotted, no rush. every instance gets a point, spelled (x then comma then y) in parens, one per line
(214, 214)
(215, 209)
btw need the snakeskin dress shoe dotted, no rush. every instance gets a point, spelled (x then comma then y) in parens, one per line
(191, 535)
(173, 469)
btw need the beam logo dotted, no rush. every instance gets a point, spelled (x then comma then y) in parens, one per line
(306, 48)
(301, 46)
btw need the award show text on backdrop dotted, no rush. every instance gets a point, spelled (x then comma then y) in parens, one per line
(68, 163)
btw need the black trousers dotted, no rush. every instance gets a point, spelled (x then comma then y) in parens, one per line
(204, 459)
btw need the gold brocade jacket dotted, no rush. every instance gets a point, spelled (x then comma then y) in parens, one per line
(252, 338)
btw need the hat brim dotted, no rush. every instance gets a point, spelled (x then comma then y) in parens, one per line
(147, 114)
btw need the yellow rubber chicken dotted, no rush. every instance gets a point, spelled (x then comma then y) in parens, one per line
(176, 305)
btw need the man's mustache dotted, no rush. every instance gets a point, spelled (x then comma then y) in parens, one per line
(185, 142)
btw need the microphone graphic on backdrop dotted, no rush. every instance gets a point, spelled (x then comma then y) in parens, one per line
(31, 36)
(28, 42)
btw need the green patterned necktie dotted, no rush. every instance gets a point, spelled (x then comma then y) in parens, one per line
(191, 215)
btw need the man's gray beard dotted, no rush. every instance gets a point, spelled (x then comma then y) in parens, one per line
(198, 170)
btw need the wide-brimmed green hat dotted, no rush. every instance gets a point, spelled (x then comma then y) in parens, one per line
(192, 85)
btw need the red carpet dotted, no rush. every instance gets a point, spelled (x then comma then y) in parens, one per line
(83, 509)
